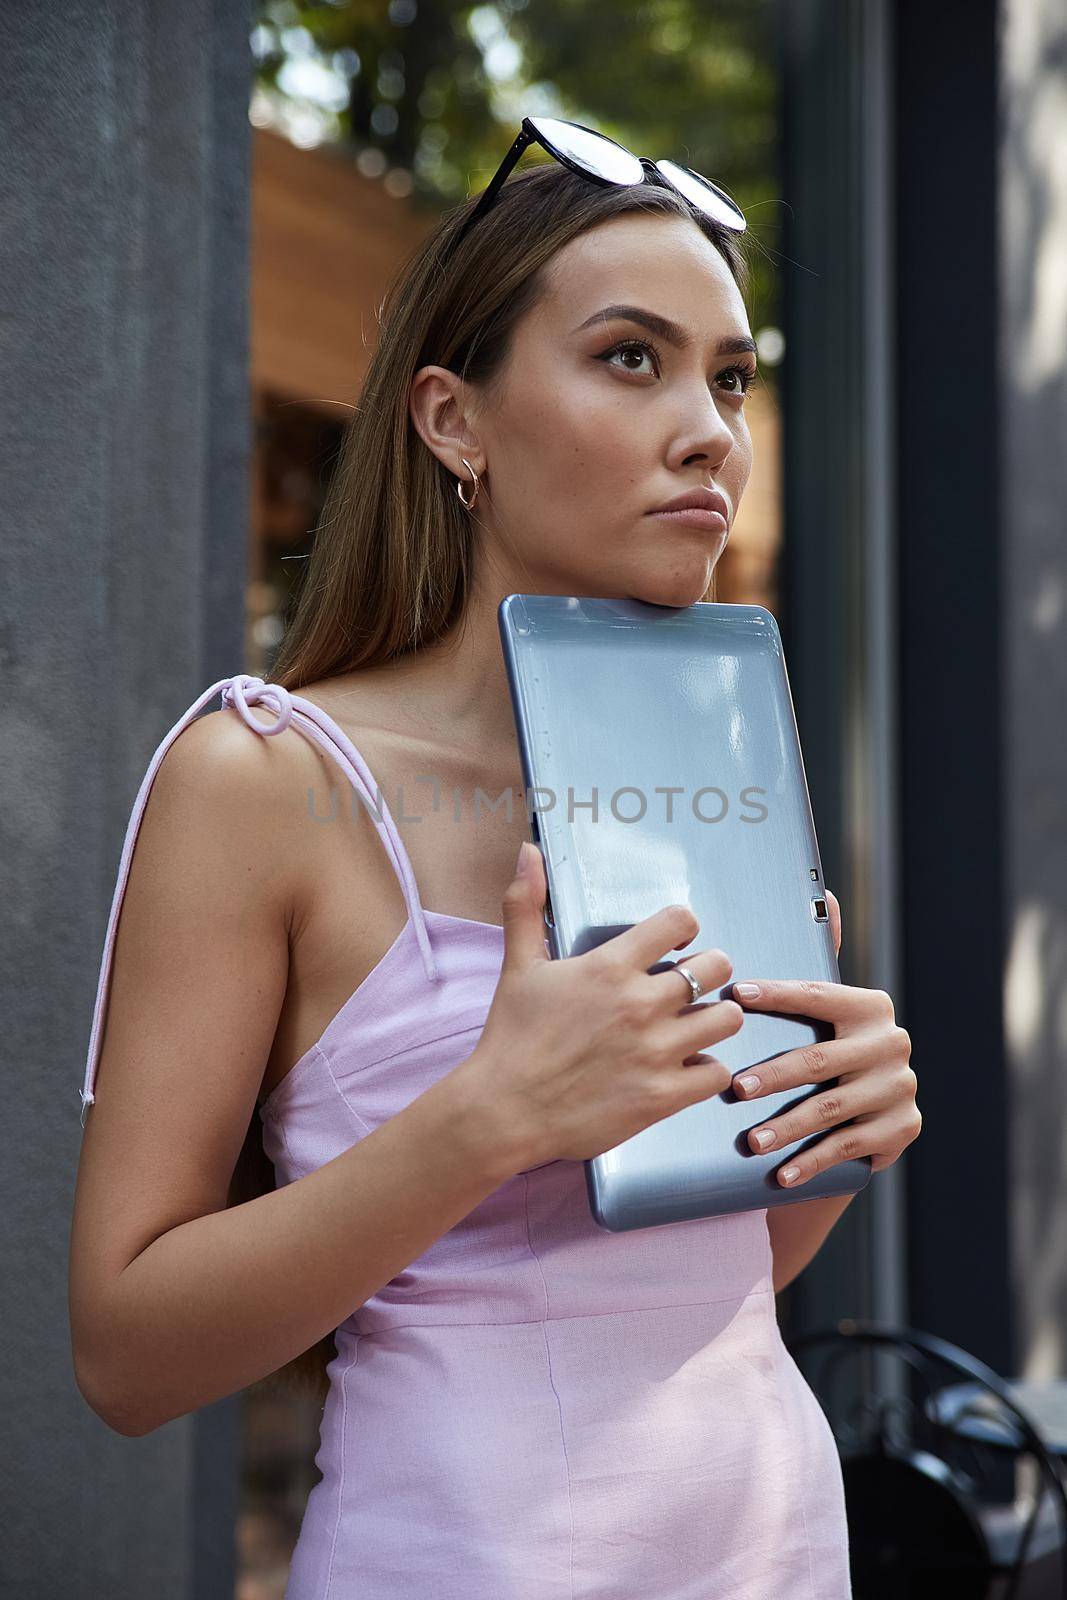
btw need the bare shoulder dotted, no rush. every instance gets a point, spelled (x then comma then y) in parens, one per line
(220, 748)
(221, 775)
(278, 790)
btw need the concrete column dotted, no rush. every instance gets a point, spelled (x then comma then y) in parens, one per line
(1031, 588)
(838, 603)
(124, 416)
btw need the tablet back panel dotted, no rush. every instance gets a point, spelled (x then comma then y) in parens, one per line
(662, 764)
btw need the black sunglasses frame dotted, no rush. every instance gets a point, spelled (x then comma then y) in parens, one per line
(530, 134)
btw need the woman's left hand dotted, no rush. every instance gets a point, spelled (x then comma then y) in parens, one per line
(869, 1057)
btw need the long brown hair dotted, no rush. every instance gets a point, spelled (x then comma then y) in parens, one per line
(391, 562)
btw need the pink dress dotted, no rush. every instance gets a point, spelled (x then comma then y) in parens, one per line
(536, 1408)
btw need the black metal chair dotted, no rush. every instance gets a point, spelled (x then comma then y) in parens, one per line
(933, 1502)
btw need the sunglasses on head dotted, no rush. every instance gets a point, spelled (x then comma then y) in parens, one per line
(596, 156)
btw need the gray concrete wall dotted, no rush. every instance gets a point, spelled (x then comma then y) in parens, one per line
(1033, 590)
(124, 421)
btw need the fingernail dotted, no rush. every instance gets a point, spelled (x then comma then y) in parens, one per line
(520, 865)
(747, 991)
(750, 1083)
(789, 1173)
(763, 1138)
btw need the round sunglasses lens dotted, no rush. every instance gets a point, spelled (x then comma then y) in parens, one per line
(703, 193)
(592, 152)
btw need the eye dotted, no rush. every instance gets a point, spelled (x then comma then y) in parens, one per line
(634, 346)
(745, 378)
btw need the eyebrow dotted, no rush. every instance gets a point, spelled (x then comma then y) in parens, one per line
(666, 329)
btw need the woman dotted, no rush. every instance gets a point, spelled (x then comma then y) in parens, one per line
(519, 1403)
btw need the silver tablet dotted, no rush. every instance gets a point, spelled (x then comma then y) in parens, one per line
(662, 765)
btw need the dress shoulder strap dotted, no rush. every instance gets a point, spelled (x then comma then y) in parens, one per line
(241, 692)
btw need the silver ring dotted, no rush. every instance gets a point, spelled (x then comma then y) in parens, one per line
(695, 984)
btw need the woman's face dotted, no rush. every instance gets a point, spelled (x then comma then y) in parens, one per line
(593, 423)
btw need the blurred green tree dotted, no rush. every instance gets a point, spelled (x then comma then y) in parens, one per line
(428, 93)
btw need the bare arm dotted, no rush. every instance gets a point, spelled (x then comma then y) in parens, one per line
(176, 1301)
(798, 1232)
(220, 1301)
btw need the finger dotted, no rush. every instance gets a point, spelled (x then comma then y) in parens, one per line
(835, 919)
(522, 906)
(809, 997)
(699, 1078)
(811, 1064)
(706, 1023)
(711, 969)
(817, 1113)
(671, 928)
(847, 1145)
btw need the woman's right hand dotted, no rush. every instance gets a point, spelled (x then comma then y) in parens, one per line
(578, 1055)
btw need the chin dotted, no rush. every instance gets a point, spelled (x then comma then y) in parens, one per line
(680, 590)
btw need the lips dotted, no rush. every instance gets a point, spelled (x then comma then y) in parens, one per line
(697, 500)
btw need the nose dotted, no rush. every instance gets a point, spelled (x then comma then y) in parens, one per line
(704, 434)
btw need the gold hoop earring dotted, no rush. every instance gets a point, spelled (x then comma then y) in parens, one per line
(460, 485)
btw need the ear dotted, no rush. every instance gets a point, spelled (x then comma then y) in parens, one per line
(442, 409)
